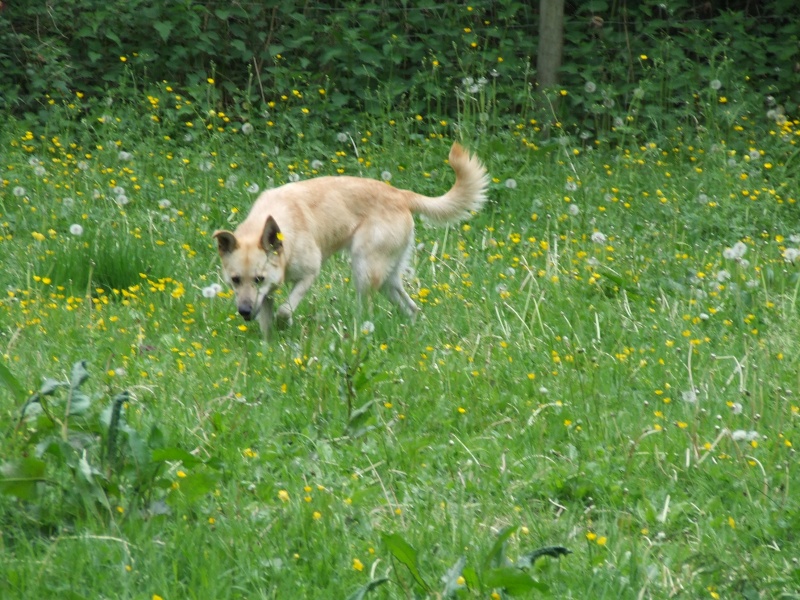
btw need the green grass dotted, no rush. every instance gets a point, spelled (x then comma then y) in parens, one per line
(588, 391)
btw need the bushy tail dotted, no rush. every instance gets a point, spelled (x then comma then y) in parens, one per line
(467, 194)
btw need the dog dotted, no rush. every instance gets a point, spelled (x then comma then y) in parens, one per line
(291, 230)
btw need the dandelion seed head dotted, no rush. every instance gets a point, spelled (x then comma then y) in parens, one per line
(598, 237)
(40, 171)
(715, 84)
(19, 191)
(342, 137)
(124, 156)
(68, 202)
(293, 177)
(205, 166)
(76, 229)
(367, 327)
(590, 87)
(511, 183)
(164, 203)
(574, 209)
(570, 186)
(247, 128)
(122, 200)
(253, 188)
(317, 164)
(386, 175)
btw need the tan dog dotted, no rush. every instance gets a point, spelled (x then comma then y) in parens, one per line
(293, 229)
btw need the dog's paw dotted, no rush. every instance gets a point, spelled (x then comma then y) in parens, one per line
(284, 315)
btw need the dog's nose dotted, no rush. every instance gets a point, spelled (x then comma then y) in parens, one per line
(246, 311)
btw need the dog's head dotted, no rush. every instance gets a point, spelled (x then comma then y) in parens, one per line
(254, 269)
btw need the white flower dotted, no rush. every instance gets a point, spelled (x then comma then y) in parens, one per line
(76, 229)
(574, 209)
(690, 396)
(511, 183)
(367, 327)
(736, 252)
(164, 203)
(19, 191)
(791, 254)
(342, 137)
(590, 87)
(125, 155)
(740, 435)
(715, 84)
(253, 188)
(247, 128)
(598, 237)
(212, 290)
(386, 176)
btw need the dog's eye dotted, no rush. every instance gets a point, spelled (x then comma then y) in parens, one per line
(259, 280)
(236, 280)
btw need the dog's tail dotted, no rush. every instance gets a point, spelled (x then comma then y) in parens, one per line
(468, 194)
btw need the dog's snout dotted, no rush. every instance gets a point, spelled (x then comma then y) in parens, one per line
(246, 310)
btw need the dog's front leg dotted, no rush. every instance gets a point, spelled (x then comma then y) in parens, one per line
(265, 316)
(295, 296)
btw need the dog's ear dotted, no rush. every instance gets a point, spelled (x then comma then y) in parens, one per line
(226, 242)
(271, 238)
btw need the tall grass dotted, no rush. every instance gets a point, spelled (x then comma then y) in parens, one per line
(606, 360)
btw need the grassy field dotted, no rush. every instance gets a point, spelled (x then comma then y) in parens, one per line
(606, 361)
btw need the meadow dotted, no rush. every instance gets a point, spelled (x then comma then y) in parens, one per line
(599, 398)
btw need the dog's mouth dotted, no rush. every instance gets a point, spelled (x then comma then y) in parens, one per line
(249, 315)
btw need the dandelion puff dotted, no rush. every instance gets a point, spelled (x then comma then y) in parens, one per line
(342, 137)
(723, 275)
(590, 87)
(367, 327)
(253, 188)
(19, 191)
(754, 154)
(715, 84)
(511, 183)
(119, 190)
(34, 162)
(124, 156)
(293, 177)
(231, 182)
(76, 229)
(120, 372)
(209, 292)
(40, 171)
(598, 237)
(571, 186)
(247, 128)
(689, 397)
(702, 198)
(205, 166)
(188, 138)
(164, 203)
(770, 100)
(736, 252)
(386, 176)
(794, 238)
(83, 165)
(608, 197)
(574, 209)
(96, 194)
(317, 164)
(68, 202)
(618, 122)
(543, 390)
(736, 408)
(122, 200)
(790, 255)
